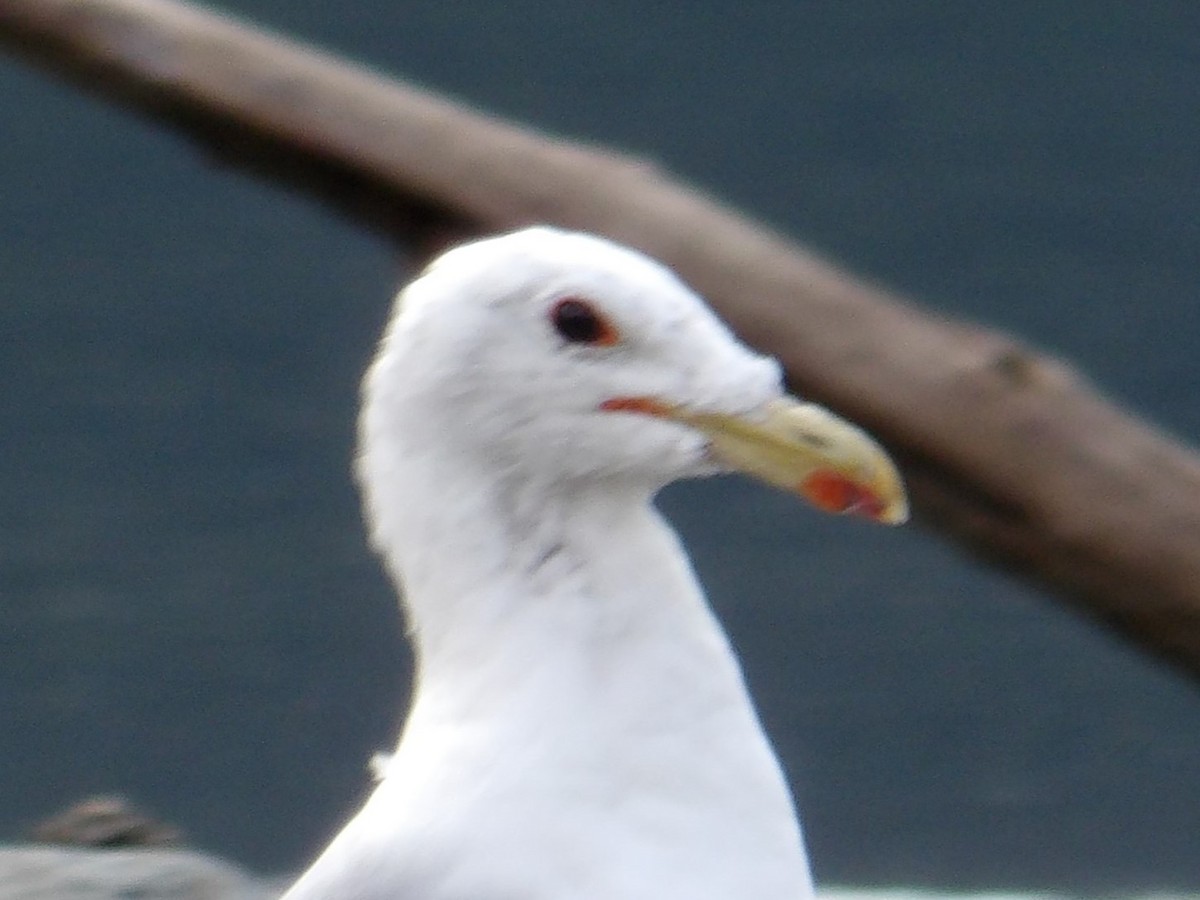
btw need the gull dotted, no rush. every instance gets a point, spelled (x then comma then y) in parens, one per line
(580, 728)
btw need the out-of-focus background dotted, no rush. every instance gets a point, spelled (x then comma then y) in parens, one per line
(190, 614)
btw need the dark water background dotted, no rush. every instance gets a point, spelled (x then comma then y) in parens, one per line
(189, 614)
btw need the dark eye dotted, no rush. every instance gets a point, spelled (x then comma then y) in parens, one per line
(578, 322)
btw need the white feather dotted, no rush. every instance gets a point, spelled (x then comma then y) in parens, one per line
(580, 727)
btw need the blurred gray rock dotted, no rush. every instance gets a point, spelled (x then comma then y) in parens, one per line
(31, 872)
(107, 820)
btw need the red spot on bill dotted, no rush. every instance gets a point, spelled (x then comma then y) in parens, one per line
(835, 493)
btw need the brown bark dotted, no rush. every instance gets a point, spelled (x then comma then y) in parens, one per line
(1008, 451)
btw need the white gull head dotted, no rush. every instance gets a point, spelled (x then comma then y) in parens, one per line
(579, 728)
(506, 349)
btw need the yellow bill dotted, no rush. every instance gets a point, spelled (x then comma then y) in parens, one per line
(799, 447)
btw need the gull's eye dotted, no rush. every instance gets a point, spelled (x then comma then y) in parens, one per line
(578, 322)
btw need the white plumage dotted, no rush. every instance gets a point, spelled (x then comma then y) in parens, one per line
(580, 727)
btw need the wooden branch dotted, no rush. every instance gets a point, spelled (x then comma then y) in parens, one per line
(1006, 450)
